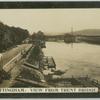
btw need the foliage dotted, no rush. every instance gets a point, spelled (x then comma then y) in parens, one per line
(11, 36)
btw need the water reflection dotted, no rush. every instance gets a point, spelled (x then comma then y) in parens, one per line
(81, 59)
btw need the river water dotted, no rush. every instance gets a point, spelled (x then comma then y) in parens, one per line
(78, 59)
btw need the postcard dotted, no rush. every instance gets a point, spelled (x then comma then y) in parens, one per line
(49, 49)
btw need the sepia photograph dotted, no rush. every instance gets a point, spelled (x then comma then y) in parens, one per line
(53, 49)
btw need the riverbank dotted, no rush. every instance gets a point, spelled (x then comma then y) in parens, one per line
(8, 55)
(88, 39)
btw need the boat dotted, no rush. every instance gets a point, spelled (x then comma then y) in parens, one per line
(49, 62)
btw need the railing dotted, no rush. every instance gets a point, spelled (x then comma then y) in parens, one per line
(8, 66)
(11, 63)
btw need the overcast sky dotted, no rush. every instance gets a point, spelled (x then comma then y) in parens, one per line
(51, 21)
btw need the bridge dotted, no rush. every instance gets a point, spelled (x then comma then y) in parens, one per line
(54, 37)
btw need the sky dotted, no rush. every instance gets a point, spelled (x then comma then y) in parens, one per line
(51, 21)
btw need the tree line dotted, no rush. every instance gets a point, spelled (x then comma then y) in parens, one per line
(11, 36)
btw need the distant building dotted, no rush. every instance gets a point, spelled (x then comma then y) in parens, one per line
(69, 38)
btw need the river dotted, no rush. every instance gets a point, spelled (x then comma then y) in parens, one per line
(78, 59)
